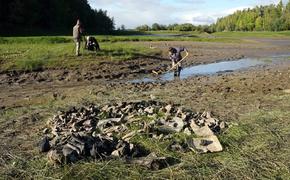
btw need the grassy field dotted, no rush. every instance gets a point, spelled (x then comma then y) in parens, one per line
(266, 34)
(38, 53)
(48, 52)
(256, 146)
(28, 55)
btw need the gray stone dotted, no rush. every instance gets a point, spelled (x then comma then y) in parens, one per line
(168, 108)
(87, 123)
(187, 131)
(204, 131)
(210, 122)
(116, 153)
(205, 144)
(177, 124)
(149, 110)
(166, 129)
(78, 132)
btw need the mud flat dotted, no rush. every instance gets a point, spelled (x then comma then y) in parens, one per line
(200, 53)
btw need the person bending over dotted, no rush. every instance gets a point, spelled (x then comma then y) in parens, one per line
(176, 58)
(92, 44)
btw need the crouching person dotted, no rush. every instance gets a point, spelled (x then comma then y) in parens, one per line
(92, 44)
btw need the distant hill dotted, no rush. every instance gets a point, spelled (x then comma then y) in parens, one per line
(261, 18)
(38, 17)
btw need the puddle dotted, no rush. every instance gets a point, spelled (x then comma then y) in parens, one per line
(166, 35)
(208, 69)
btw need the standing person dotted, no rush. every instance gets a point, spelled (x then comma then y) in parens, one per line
(176, 58)
(77, 35)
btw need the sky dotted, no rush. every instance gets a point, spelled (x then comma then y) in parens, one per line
(133, 13)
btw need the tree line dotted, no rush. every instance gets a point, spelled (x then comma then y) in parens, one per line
(261, 18)
(26, 17)
(175, 27)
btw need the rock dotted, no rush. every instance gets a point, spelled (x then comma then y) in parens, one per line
(206, 115)
(177, 124)
(168, 108)
(166, 129)
(205, 144)
(210, 122)
(149, 110)
(204, 131)
(44, 145)
(173, 126)
(96, 132)
(88, 123)
(187, 131)
(116, 153)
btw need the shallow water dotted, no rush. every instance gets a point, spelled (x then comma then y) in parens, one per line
(208, 69)
(166, 35)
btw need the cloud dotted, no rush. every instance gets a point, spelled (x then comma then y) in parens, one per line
(203, 20)
(133, 13)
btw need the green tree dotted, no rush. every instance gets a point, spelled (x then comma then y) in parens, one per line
(19, 16)
(259, 24)
(143, 28)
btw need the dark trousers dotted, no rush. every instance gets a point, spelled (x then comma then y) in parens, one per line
(177, 71)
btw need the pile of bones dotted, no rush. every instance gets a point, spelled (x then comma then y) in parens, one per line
(108, 131)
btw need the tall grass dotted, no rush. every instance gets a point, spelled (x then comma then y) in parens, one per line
(36, 56)
(262, 34)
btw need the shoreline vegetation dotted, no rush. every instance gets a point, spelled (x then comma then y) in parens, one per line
(48, 52)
